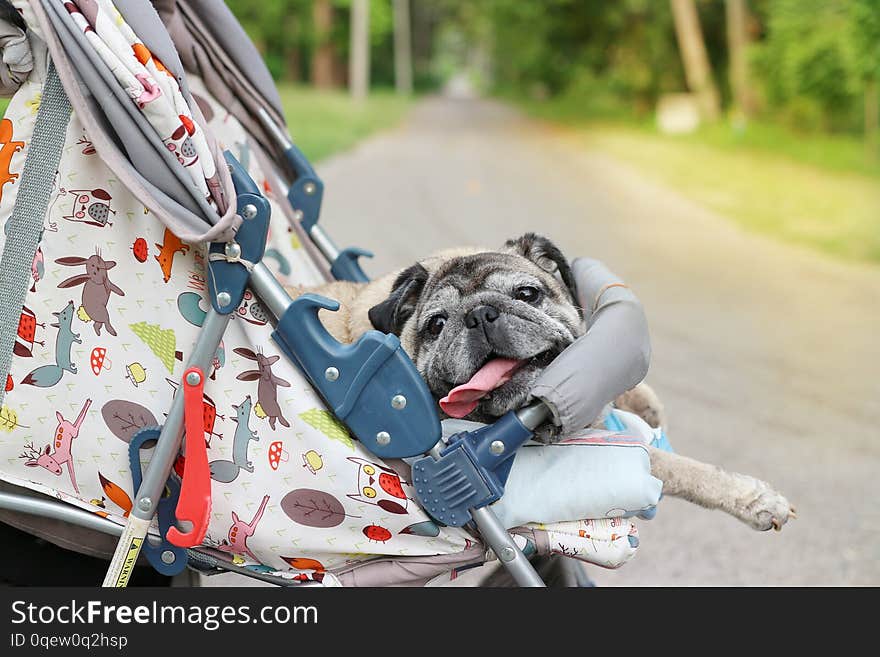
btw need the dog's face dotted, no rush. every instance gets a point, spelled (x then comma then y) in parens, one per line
(480, 328)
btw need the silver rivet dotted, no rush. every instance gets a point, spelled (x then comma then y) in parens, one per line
(233, 250)
(168, 557)
(298, 215)
(145, 504)
(224, 299)
(331, 374)
(497, 447)
(249, 211)
(309, 188)
(507, 554)
(398, 402)
(193, 378)
(383, 438)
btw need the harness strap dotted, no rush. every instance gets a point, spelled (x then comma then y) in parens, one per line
(25, 226)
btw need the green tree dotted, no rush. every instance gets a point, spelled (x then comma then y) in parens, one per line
(808, 65)
(282, 31)
(865, 26)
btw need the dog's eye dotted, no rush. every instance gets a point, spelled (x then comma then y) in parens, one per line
(527, 293)
(436, 324)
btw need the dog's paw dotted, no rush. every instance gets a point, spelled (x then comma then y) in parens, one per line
(762, 507)
(644, 402)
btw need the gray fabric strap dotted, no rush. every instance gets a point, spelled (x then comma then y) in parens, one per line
(25, 226)
(610, 359)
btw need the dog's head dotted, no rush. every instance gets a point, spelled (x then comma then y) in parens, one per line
(481, 327)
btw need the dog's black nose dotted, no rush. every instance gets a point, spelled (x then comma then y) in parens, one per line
(480, 315)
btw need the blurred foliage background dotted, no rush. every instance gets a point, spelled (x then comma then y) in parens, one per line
(811, 62)
(785, 94)
(786, 138)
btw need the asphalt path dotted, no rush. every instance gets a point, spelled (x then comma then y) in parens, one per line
(765, 354)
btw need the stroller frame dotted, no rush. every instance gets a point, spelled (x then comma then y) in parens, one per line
(467, 473)
(239, 266)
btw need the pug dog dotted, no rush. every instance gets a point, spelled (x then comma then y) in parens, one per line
(481, 326)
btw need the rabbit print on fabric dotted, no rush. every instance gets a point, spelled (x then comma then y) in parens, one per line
(112, 311)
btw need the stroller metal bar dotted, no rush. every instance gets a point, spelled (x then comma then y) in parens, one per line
(270, 292)
(534, 415)
(197, 559)
(304, 194)
(324, 243)
(494, 533)
(168, 444)
(164, 455)
(48, 508)
(275, 130)
(507, 551)
(58, 510)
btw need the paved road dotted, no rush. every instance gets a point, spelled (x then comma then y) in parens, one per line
(766, 355)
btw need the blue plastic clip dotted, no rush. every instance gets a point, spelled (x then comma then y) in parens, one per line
(371, 385)
(346, 266)
(307, 191)
(471, 471)
(174, 561)
(229, 276)
(305, 196)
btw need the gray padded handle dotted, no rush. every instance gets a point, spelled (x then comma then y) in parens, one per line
(611, 358)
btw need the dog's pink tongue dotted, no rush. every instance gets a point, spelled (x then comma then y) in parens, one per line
(463, 399)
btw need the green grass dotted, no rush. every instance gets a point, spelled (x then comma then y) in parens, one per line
(843, 153)
(326, 122)
(814, 190)
(836, 212)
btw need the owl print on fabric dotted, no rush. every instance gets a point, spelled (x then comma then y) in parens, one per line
(90, 206)
(380, 486)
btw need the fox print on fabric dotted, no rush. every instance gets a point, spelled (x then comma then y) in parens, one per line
(8, 148)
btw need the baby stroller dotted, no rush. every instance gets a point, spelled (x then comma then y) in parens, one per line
(154, 208)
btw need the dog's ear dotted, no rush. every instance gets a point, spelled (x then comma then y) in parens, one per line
(546, 255)
(390, 315)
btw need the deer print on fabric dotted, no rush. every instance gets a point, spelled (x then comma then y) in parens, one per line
(267, 390)
(58, 452)
(96, 289)
(48, 375)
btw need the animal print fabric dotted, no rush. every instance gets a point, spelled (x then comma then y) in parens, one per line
(113, 309)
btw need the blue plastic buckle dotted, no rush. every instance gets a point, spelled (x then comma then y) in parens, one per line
(346, 266)
(307, 191)
(167, 559)
(305, 196)
(229, 276)
(471, 471)
(372, 385)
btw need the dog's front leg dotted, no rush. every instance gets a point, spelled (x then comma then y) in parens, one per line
(751, 500)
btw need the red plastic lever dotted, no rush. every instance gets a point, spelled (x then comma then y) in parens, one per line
(194, 503)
